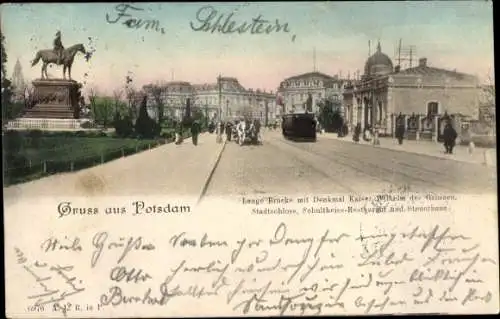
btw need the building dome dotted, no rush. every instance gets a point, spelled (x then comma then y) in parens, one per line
(378, 64)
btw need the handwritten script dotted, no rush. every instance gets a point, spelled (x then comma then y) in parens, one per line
(208, 19)
(54, 284)
(279, 273)
(124, 15)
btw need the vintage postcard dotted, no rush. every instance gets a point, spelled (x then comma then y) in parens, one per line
(249, 159)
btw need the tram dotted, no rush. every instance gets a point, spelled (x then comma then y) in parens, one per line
(299, 126)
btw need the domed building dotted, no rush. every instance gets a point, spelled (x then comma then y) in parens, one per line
(424, 96)
(378, 64)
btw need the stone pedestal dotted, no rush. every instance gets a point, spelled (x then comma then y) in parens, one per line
(54, 99)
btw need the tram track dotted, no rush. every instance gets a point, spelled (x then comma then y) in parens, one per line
(283, 167)
(378, 172)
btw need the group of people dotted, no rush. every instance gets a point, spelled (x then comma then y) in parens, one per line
(235, 128)
(195, 128)
(367, 133)
(449, 134)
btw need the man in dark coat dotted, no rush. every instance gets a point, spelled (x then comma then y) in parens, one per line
(400, 128)
(357, 132)
(449, 136)
(195, 131)
(229, 130)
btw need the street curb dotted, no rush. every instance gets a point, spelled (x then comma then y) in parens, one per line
(422, 154)
(211, 174)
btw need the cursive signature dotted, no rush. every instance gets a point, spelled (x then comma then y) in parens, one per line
(131, 22)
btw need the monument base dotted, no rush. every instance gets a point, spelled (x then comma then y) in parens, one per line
(47, 124)
(54, 99)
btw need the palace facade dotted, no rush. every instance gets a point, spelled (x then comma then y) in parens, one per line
(294, 91)
(226, 98)
(425, 96)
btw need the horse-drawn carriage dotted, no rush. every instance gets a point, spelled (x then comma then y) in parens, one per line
(247, 132)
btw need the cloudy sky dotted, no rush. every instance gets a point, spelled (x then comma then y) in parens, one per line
(452, 35)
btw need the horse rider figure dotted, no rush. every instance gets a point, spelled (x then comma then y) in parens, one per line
(58, 47)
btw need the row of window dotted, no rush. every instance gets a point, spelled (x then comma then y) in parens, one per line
(309, 83)
(304, 97)
(240, 99)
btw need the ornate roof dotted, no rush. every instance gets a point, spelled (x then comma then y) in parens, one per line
(379, 60)
(310, 75)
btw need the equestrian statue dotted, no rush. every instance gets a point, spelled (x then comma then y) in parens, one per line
(59, 56)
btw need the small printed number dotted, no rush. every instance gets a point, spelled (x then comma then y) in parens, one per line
(36, 309)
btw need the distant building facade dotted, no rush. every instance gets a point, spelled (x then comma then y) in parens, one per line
(424, 96)
(226, 98)
(294, 91)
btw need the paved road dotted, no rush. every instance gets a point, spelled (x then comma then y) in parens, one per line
(168, 170)
(330, 166)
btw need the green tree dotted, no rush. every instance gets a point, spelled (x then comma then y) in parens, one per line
(157, 92)
(102, 110)
(10, 110)
(145, 126)
(4, 56)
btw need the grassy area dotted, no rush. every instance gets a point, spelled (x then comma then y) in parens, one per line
(74, 148)
(30, 156)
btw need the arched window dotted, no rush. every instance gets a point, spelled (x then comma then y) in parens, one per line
(432, 108)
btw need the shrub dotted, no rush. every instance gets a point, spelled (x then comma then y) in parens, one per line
(123, 126)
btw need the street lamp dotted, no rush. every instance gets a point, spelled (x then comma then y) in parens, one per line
(219, 82)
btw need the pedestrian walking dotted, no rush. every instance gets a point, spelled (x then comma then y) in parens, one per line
(178, 134)
(195, 132)
(400, 128)
(449, 136)
(229, 130)
(357, 133)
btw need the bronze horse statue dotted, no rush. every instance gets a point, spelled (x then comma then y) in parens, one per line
(49, 56)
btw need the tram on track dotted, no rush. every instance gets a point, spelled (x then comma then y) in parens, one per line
(299, 126)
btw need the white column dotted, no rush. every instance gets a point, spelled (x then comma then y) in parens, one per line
(369, 119)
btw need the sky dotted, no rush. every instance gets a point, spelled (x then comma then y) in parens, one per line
(451, 35)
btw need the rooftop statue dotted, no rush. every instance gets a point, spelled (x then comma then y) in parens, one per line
(59, 56)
